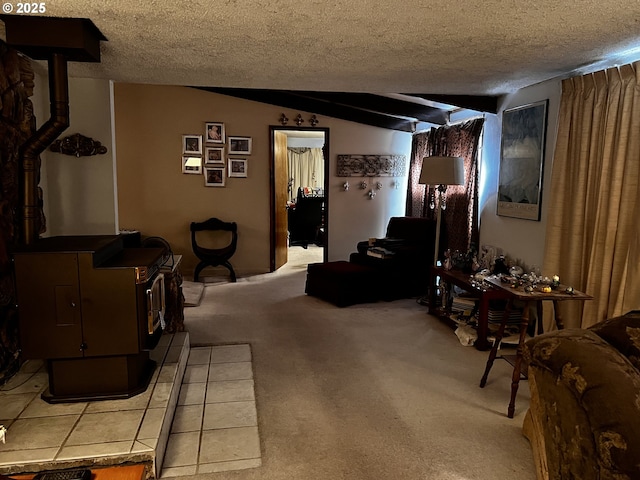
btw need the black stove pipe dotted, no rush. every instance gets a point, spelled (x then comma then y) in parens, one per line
(38, 142)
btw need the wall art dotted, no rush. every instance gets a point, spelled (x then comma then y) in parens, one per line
(214, 132)
(371, 166)
(239, 145)
(191, 164)
(522, 161)
(214, 155)
(238, 167)
(214, 177)
(192, 144)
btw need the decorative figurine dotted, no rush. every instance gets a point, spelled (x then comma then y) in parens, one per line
(3, 433)
(447, 259)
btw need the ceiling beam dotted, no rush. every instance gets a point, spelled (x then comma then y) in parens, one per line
(381, 104)
(479, 103)
(295, 101)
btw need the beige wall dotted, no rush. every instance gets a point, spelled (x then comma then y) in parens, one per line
(523, 240)
(80, 192)
(155, 198)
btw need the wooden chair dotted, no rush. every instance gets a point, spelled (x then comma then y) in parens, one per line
(214, 257)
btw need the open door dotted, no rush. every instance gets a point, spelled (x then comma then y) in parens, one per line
(280, 192)
(279, 207)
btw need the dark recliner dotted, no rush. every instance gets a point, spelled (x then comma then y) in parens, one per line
(407, 273)
(214, 257)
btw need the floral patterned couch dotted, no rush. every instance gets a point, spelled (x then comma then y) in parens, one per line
(584, 418)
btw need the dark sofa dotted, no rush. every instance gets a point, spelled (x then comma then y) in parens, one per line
(406, 271)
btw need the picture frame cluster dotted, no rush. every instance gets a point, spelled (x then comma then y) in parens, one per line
(205, 154)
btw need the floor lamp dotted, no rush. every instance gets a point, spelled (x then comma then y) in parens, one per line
(440, 172)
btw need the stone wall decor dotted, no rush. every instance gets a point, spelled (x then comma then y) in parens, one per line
(371, 166)
(17, 124)
(78, 146)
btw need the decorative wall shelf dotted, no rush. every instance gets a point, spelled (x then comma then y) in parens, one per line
(78, 146)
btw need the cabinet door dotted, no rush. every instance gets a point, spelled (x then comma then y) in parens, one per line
(109, 309)
(49, 305)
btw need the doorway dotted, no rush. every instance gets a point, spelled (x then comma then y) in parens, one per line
(298, 196)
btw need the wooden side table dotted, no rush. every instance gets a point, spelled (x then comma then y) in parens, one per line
(485, 295)
(530, 299)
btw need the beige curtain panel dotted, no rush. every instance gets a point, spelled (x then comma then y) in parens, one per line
(306, 169)
(593, 228)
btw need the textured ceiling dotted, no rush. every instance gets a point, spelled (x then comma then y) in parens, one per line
(471, 47)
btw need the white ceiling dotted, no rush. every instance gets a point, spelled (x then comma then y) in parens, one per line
(469, 47)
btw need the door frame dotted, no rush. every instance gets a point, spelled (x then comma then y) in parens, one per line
(272, 189)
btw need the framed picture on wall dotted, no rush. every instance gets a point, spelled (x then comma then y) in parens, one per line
(522, 161)
(237, 167)
(214, 132)
(192, 144)
(214, 155)
(239, 145)
(191, 164)
(214, 177)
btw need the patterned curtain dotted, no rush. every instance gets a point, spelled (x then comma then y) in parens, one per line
(460, 219)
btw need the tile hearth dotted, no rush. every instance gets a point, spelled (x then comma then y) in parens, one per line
(210, 390)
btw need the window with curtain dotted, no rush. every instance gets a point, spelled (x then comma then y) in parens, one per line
(593, 233)
(306, 169)
(459, 229)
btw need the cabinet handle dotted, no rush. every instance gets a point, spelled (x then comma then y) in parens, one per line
(83, 346)
(73, 304)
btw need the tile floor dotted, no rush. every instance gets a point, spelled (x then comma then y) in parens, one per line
(214, 426)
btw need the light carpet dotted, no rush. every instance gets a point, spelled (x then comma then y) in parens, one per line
(374, 391)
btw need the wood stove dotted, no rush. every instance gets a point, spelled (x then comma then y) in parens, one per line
(93, 309)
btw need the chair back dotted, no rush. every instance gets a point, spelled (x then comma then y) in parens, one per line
(214, 224)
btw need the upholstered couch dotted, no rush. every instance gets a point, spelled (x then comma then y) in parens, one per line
(584, 418)
(406, 272)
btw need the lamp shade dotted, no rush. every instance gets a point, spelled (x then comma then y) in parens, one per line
(442, 171)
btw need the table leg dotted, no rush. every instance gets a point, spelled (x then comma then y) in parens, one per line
(496, 344)
(433, 293)
(515, 378)
(539, 319)
(557, 316)
(483, 328)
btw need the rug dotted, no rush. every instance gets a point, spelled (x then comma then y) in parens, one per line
(192, 292)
